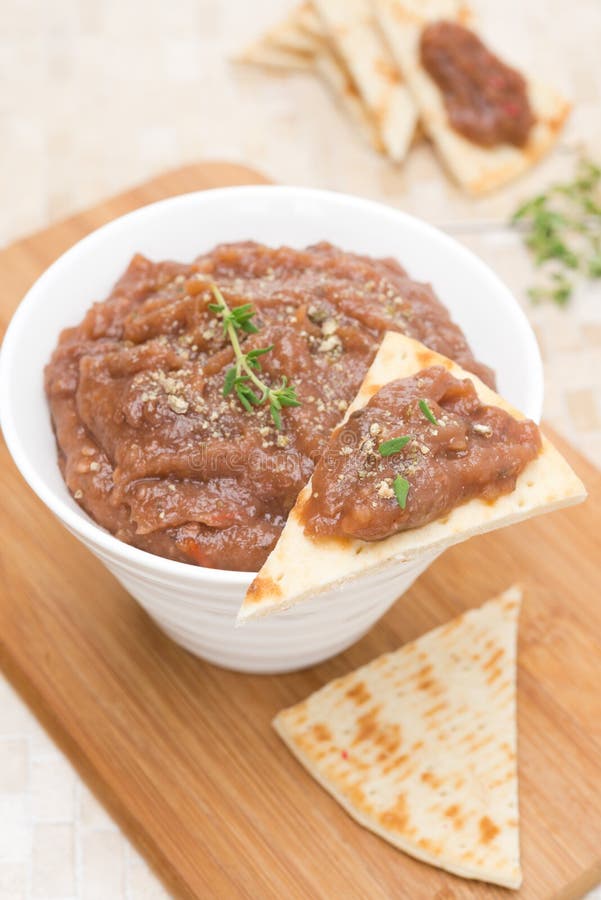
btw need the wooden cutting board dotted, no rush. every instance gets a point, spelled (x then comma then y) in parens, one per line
(182, 753)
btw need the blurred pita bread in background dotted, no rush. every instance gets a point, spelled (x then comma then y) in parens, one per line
(352, 29)
(477, 169)
(299, 42)
(368, 53)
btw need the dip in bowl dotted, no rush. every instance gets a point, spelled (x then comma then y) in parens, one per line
(196, 604)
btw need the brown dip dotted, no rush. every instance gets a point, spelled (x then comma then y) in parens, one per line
(473, 450)
(486, 101)
(147, 443)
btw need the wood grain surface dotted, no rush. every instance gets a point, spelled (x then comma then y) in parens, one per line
(182, 753)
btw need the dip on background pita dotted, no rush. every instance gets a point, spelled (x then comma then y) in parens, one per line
(477, 169)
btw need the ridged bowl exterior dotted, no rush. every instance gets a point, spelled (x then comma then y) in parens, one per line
(202, 617)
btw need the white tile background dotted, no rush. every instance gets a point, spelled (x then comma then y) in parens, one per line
(56, 841)
(99, 94)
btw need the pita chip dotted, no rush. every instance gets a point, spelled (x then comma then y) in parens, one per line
(420, 745)
(299, 42)
(344, 90)
(477, 169)
(354, 34)
(288, 45)
(300, 566)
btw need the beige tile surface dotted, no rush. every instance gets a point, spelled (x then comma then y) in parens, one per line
(14, 880)
(53, 860)
(102, 865)
(52, 788)
(14, 764)
(99, 95)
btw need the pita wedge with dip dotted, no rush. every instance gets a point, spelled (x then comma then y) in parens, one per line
(420, 745)
(300, 42)
(353, 32)
(404, 477)
(483, 160)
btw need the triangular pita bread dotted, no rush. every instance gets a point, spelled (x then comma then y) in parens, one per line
(419, 745)
(301, 30)
(263, 53)
(299, 42)
(353, 31)
(300, 567)
(477, 169)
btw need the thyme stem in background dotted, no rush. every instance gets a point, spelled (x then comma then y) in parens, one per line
(242, 377)
(562, 230)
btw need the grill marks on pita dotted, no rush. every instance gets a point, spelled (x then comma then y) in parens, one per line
(419, 745)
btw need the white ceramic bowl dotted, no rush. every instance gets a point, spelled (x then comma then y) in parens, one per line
(196, 606)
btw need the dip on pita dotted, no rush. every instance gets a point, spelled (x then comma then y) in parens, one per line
(422, 445)
(304, 565)
(486, 100)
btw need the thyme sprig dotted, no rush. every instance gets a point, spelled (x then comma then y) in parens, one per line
(562, 230)
(242, 377)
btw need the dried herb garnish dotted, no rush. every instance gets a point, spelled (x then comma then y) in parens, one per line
(394, 445)
(401, 487)
(562, 230)
(242, 377)
(423, 405)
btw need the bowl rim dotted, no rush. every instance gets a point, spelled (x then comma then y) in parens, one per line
(86, 528)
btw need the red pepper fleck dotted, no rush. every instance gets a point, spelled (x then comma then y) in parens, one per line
(511, 109)
(344, 754)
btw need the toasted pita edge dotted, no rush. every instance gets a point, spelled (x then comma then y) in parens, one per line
(477, 169)
(357, 41)
(300, 567)
(263, 54)
(343, 88)
(289, 38)
(281, 726)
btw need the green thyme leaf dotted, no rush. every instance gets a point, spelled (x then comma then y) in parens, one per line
(275, 415)
(423, 405)
(401, 487)
(528, 208)
(242, 397)
(394, 445)
(286, 394)
(229, 381)
(241, 317)
(252, 357)
(594, 266)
